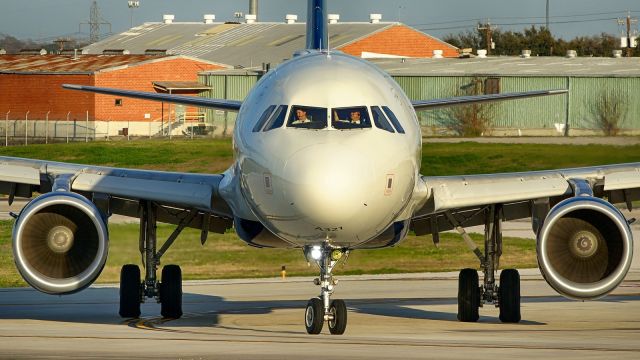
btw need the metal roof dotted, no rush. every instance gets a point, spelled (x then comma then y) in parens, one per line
(514, 66)
(180, 86)
(68, 64)
(241, 45)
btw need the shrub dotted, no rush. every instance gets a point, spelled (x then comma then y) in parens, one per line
(608, 111)
(468, 120)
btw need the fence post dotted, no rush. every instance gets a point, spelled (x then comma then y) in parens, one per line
(128, 129)
(6, 129)
(108, 121)
(69, 113)
(86, 128)
(26, 128)
(46, 128)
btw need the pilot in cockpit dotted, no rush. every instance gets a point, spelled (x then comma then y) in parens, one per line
(355, 117)
(301, 117)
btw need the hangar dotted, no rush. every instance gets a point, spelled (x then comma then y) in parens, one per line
(250, 44)
(587, 78)
(32, 94)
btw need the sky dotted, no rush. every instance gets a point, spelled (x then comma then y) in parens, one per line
(46, 20)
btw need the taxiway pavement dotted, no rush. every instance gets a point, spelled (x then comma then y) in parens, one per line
(390, 317)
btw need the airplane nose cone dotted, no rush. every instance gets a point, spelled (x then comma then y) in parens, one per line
(328, 184)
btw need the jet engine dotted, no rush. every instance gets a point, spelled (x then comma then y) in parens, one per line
(60, 243)
(584, 248)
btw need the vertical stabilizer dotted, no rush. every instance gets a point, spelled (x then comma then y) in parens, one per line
(317, 28)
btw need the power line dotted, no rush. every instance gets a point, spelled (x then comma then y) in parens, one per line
(475, 20)
(517, 23)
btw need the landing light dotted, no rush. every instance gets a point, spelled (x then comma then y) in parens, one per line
(316, 253)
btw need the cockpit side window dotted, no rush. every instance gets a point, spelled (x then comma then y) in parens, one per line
(277, 118)
(394, 120)
(350, 118)
(307, 117)
(263, 118)
(380, 120)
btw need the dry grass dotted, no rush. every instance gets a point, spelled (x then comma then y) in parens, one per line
(226, 256)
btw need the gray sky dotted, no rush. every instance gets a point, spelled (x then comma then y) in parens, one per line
(47, 19)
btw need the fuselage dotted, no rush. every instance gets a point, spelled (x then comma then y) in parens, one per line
(323, 175)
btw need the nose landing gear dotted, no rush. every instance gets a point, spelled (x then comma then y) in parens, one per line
(322, 308)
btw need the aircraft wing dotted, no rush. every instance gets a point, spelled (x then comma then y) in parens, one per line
(475, 99)
(119, 191)
(520, 194)
(221, 104)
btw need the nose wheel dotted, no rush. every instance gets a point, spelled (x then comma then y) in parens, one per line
(322, 309)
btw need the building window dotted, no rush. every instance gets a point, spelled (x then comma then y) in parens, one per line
(492, 85)
(118, 102)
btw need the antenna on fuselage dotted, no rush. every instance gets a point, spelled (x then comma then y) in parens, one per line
(317, 25)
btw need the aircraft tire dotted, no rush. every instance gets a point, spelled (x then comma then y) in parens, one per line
(314, 316)
(509, 293)
(171, 292)
(338, 325)
(130, 291)
(468, 296)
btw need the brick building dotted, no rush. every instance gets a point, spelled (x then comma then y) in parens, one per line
(31, 90)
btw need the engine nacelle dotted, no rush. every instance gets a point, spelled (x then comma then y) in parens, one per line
(60, 243)
(585, 248)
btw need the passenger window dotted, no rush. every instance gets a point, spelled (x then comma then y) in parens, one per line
(277, 118)
(350, 118)
(263, 118)
(306, 117)
(380, 120)
(394, 120)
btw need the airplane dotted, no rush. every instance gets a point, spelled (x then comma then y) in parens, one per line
(306, 176)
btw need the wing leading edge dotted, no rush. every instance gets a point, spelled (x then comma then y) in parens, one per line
(518, 192)
(221, 104)
(122, 190)
(476, 99)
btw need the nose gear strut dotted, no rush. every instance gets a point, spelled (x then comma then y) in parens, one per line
(322, 308)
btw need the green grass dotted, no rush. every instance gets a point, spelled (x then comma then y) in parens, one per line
(476, 158)
(225, 256)
(215, 156)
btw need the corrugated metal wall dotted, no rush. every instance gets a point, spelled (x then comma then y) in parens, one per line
(534, 113)
(232, 87)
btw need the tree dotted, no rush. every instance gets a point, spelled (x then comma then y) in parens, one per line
(539, 40)
(468, 120)
(608, 111)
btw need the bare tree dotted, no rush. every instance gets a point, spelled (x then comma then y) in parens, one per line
(468, 120)
(608, 112)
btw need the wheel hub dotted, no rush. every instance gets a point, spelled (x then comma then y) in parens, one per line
(308, 316)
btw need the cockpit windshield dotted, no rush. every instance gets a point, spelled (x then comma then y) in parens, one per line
(350, 118)
(307, 117)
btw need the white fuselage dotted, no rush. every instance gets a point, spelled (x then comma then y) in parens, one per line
(313, 185)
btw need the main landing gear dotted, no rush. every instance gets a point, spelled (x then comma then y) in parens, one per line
(472, 296)
(168, 292)
(322, 308)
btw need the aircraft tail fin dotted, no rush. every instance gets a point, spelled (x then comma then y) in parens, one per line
(317, 25)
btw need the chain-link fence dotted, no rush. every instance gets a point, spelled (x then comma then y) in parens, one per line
(20, 129)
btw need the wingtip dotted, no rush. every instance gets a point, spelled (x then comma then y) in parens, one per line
(72, 86)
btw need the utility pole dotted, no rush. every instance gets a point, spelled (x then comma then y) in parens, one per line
(488, 29)
(547, 22)
(628, 21)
